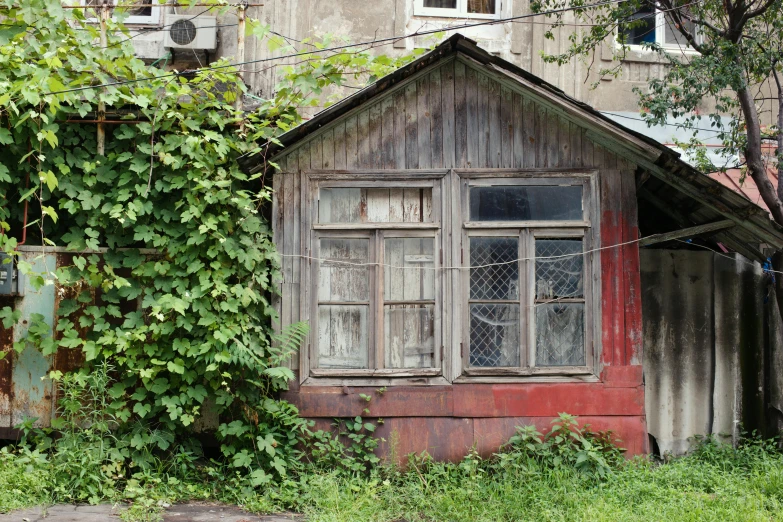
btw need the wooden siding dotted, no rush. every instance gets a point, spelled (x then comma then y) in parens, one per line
(457, 114)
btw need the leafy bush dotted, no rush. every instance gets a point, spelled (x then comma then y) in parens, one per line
(566, 445)
(328, 450)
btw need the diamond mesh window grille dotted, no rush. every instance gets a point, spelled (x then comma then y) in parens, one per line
(494, 335)
(498, 281)
(494, 327)
(559, 277)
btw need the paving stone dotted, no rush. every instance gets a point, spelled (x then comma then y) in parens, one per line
(177, 513)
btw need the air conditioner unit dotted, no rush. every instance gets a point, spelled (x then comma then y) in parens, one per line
(11, 279)
(189, 32)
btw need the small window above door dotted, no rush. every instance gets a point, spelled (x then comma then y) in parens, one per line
(458, 8)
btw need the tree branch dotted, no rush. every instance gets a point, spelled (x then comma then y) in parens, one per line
(680, 26)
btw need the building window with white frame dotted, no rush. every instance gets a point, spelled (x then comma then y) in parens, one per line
(134, 12)
(649, 25)
(458, 8)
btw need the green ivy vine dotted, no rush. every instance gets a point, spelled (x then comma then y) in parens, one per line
(179, 299)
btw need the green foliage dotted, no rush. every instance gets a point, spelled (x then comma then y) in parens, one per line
(736, 47)
(179, 303)
(25, 479)
(529, 486)
(566, 445)
(348, 449)
(715, 482)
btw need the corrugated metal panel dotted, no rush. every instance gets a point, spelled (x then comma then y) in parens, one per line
(705, 320)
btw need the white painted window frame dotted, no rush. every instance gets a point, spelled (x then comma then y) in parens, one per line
(660, 32)
(153, 19)
(461, 11)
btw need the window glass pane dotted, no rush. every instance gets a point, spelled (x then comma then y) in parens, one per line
(561, 275)
(672, 35)
(560, 334)
(642, 27)
(339, 277)
(343, 338)
(481, 6)
(441, 4)
(364, 205)
(500, 280)
(416, 281)
(525, 203)
(409, 334)
(494, 335)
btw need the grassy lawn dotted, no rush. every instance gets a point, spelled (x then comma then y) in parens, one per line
(715, 483)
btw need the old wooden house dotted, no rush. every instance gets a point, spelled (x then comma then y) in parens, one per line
(464, 241)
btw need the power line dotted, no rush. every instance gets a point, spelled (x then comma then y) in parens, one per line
(488, 265)
(373, 43)
(678, 125)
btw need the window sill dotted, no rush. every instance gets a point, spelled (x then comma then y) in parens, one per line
(524, 379)
(570, 371)
(425, 13)
(638, 54)
(375, 381)
(385, 373)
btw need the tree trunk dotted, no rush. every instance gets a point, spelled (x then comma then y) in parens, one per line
(754, 158)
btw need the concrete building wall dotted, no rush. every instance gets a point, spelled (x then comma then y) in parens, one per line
(520, 41)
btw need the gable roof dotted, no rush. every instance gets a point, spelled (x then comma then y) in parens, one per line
(707, 199)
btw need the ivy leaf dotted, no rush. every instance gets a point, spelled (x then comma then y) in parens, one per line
(141, 409)
(176, 367)
(9, 317)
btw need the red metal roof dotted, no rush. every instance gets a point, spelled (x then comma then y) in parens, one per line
(732, 179)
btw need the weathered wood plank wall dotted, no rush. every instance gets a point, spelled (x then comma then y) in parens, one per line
(460, 115)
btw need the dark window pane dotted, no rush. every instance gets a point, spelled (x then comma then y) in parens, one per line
(641, 27)
(500, 280)
(559, 274)
(525, 203)
(560, 334)
(441, 4)
(494, 335)
(481, 6)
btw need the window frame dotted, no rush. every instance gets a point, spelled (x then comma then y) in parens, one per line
(450, 223)
(660, 34)
(527, 231)
(154, 19)
(376, 232)
(461, 11)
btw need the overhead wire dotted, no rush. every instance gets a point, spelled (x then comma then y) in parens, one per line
(742, 259)
(678, 125)
(371, 44)
(488, 265)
